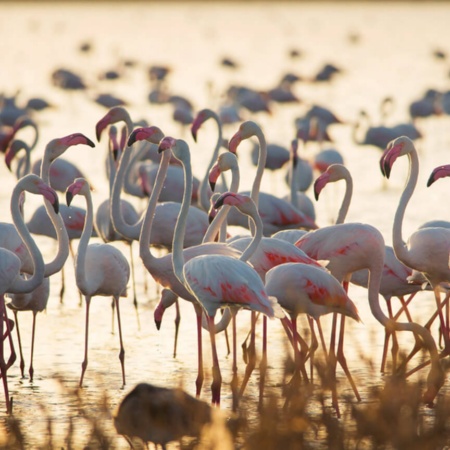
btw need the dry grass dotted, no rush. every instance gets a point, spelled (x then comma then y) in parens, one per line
(391, 416)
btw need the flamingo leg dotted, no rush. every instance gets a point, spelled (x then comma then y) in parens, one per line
(86, 339)
(33, 334)
(113, 308)
(133, 281)
(332, 362)
(200, 375)
(177, 326)
(312, 348)
(3, 366)
(234, 379)
(322, 339)
(63, 286)
(387, 336)
(19, 340)
(251, 354)
(122, 350)
(342, 360)
(263, 365)
(217, 377)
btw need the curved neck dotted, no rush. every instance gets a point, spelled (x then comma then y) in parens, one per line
(219, 222)
(203, 189)
(343, 210)
(118, 222)
(399, 245)
(180, 227)
(145, 254)
(61, 232)
(80, 270)
(257, 236)
(20, 284)
(262, 156)
(128, 185)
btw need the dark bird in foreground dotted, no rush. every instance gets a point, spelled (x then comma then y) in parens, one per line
(160, 415)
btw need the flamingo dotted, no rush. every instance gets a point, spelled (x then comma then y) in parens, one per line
(276, 213)
(7, 135)
(10, 264)
(395, 276)
(427, 249)
(160, 415)
(161, 268)
(101, 269)
(218, 280)
(103, 222)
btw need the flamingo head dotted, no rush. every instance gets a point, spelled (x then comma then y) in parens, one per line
(320, 183)
(242, 202)
(246, 131)
(213, 176)
(114, 115)
(435, 381)
(438, 172)
(15, 147)
(57, 147)
(35, 185)
(201, 117)
(166, 144)
(79, 186)
(212, 213)
(151, 134)
(333, 173)
(397, 147)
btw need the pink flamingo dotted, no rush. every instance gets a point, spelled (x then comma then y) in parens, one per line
(275, 213)
(395, 276)
(217, 280)
(161, 268)
(427, 249)
(11, 280)
(8, 133)
(101, 269)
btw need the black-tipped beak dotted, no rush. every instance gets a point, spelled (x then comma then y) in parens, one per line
(56, 205)
(90, 143)
(131, 139)
(219, 202)
(158, 324)
(431, 180)
(69, 198)
(212, 185)
(194, 135)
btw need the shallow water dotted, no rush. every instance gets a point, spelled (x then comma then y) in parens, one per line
(383, 49)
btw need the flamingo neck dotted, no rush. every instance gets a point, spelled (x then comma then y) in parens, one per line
(128, 185)
(343, 210)
(203, 191)
(180, 227)
(130, 231)
(62, 237)
(257, 236)
(149, 260)
(219, 223)
(262, 156)
(20, 284)
(80, 269)
(399, 245)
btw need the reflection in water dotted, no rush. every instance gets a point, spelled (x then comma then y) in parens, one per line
(379, 57)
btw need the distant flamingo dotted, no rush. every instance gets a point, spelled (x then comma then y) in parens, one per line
(7, 134)
(10, 264)
(427, 249)
(276, 213)
(217, 280)
(101, 269)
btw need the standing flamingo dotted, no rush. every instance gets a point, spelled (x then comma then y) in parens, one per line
(101, 269)
(427, 249)
(217, 280)
(161, 268)
(395, 276)
(10, 264)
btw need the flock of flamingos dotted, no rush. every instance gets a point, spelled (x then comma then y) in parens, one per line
(283, 265)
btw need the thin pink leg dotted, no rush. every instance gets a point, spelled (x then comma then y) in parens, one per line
(122, 350)
(200, 375)
(86, 339)
(33, 333)
(217, 377)
(19, 340)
